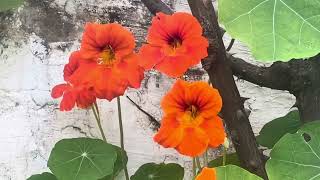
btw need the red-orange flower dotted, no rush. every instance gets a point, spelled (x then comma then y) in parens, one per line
(207, 174)
(112, 65)
(190, 123)
(175, 43)
(73, 91)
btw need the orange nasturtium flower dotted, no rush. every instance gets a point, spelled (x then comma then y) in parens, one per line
(190, 123)
(73, 91)
(175, 43)
(112, 66)
(207, 174)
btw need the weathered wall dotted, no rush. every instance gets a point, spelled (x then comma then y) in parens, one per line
(35, 42)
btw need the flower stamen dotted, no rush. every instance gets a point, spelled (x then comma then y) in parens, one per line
(107, 56)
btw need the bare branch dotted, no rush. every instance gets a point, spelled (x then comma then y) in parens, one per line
(151, 118)
(155, 6)
(277, 76)
(230, 45)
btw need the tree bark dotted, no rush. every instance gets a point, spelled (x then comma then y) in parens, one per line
(216, 64)
(300, 77)
(306, 87)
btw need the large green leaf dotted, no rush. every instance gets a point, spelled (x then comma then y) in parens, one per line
(275, 129)
(231, 159)
(82, 159)
(119, 164)
(9, 4)
(274, 29)
(152, 171)
(296, 156)
(43, 176)
(231, 172)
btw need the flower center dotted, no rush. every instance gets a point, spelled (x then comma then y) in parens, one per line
(107, 56)
(193, 111)
(175, 42)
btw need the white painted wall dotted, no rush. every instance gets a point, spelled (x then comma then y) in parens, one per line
(30, 122)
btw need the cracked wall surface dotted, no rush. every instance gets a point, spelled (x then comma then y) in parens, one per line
(35, 43)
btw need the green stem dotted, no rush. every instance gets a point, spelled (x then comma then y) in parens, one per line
(121, 138)
(224, 160)
(194, 167)
(96, 113)
(205, 157)
(198, 163)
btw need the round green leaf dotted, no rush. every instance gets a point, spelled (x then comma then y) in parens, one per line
(9, 4)
(231, 172)
(231, 159)
(275, 129)
(296, 156)
(119, 164)
(43, 176)
(152, 171)
(82, 159)
(274, 29)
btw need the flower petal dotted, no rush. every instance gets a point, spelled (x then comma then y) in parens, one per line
(207, 174)
(58, 90)
(215, 130)
(149, 56)
(170, 134)
(207, 99)
(68, 101)
(194, 142)
(174, 66)
(72, 66)
(131, 70)
(85, 98)
(174, 100)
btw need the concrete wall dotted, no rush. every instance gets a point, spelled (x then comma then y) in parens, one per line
(35, 42)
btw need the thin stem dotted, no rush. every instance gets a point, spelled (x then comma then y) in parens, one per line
(224, 160)
(194, 167)
(97, 109)
(121, 138)
(205, 157)
(198, 163)
(97, 116)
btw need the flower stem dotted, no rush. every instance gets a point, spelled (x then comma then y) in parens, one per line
(194, 167)
(198, 163)
(121, 138)
(97, 116)
(205, 157)
(224, 160)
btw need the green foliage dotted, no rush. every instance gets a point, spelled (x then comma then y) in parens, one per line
(9, 4)
(82, 159)
(274, 29)
(43, 176)
(119, 164)
(231, 172)
(275, 129)
(152, 171)
(296, 156)
(231, 159)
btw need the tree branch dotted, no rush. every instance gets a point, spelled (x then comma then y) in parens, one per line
(151, 118)
(277, 76)
(155, 6)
